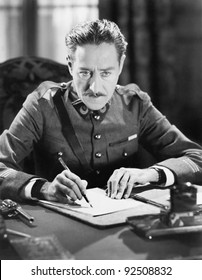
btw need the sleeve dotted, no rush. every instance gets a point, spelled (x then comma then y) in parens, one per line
(17, 143)
(170, 146)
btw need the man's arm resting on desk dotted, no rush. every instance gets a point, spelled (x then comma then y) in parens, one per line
(38, 189)
(18, 185)
(66, 184)
(123, 180)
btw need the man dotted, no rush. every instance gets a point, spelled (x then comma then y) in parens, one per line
(99, 143)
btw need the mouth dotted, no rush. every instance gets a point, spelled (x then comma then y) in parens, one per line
(94, 101)
(93, 94)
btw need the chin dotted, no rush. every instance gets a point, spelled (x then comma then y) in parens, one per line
(96, 103)
(94, 107)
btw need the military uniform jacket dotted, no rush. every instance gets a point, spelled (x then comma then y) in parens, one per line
(110, 139)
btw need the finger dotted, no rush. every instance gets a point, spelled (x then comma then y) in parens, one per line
(81, 184)
(85, 183)
(67, 192)
(113, 184)
(61, 197)
(128, 190)
(109, 185)
(114, 181)
(108, 190)
(131, 183)
(68, 187)
(122, 185)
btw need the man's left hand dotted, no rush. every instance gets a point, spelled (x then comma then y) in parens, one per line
(122, 181)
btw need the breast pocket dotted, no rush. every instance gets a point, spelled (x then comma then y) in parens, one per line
(123, 148)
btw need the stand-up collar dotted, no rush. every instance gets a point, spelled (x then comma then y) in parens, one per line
(83, 110)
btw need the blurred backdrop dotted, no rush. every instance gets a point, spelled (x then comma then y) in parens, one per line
(164, 53)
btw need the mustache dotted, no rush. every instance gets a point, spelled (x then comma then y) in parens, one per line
(93, 94)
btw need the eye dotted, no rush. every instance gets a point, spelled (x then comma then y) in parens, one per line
(105, 74)
(85, 74)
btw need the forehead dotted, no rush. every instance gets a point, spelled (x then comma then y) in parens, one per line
(91, 54)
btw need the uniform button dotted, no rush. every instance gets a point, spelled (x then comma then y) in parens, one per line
(125, 154)
(98, 155)
(96, 117)
(63, 85)
(97, 136)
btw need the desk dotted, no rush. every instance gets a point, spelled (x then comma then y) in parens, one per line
(116, 243)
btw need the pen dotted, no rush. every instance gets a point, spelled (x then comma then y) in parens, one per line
(18, 233)
(148, 201)
(67, 168)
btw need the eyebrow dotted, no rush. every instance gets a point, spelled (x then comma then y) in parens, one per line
(104, 69)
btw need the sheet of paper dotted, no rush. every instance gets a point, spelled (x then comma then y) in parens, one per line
(101, 203)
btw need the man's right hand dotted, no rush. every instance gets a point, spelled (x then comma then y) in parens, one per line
(66, 184)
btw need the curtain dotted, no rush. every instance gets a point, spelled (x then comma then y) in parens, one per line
(59, 16)
(150, 62)
(38, 27)
(11, 33)
(164, 55)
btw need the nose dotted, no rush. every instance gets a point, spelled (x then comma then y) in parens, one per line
(96, 83)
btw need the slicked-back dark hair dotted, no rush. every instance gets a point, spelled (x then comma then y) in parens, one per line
(96, 32)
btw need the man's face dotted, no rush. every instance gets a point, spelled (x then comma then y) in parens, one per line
(95, 71)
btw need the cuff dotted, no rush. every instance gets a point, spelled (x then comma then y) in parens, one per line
(32, 190)
(28, 189)
(169, 175)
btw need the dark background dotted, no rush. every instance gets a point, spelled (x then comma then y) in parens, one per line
(164, 55)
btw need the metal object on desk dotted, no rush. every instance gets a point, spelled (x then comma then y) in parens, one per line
(149, 201)
(184, 215)
(9, 208)
(184, 210)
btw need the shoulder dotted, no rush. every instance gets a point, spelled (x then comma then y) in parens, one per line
(48, 86)
(131, 92)
(44, 92)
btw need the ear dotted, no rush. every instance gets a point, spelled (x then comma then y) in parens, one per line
(69, 64)
(121, 63)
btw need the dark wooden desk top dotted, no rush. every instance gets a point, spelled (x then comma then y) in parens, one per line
(116, 243)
